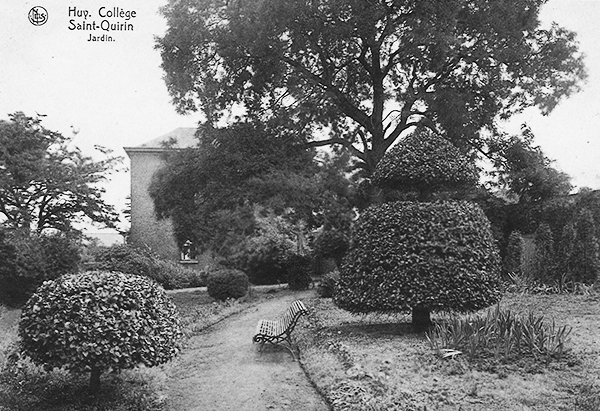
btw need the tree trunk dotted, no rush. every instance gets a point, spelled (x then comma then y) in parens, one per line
(421, 319)
(95, 381)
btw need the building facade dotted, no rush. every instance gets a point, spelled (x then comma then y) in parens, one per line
(146, 230)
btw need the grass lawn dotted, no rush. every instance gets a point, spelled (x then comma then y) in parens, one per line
(375, 362)
(26, 387)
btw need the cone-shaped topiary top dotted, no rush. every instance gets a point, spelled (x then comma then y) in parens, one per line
(425, 162)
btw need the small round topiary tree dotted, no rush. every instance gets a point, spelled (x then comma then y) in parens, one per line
(99, 322)
(420, 257)
(227, 283)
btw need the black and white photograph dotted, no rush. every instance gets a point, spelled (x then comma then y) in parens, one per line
(345, 205)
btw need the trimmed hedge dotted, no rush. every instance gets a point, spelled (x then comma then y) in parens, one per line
(228, 283)
(131, 260)
(98, 322)
(420, 256)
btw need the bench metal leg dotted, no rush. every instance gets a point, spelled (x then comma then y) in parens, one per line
(289, 346)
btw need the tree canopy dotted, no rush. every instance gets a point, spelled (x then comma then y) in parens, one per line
(522, 168)
(44, 183)
(360, 73)
(210, 190)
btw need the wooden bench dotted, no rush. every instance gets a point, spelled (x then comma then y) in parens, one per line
(279, 331)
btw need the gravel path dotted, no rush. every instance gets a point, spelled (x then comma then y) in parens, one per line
(221, 369)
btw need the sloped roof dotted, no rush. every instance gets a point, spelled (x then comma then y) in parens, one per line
(183, 137)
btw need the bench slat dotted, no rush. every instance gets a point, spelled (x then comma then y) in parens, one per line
(275, 331)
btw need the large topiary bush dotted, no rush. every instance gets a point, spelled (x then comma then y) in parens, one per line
(420, 257)
(99, 322)
(227, 283)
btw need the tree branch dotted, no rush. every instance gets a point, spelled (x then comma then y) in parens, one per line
(347, 107)
(321, 143)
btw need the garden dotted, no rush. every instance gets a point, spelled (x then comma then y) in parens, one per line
(446, 264)
(421, 313)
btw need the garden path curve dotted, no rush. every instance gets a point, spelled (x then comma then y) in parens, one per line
(221, 369)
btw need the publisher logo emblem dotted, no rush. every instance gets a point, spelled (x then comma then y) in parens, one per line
(38, 16)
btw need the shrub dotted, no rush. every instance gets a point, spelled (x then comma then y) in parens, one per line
(98, 322)
(564, 253)
(228, 283)
(422, 257)
(585, 261)
(331, 244)
(28, 259)
(263, 256)
(130, 260)
(298, 270)
(514, 254)
(264, 264)
(328, 283)
(544, 253)
(501, 335)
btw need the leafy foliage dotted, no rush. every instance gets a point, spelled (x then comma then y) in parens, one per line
(328, 283)
(564, 255)
(98, 322)
(45, 183)
(28, 259)
(361, 73)
(298, 271)
(331, 244)
(264, 254)
(514, 253)
(211, 191)
(131, 260)
(585, 262)
(501, 335)
(430, 256)
(523, 168)
(225, 284)
(544, 253)
(425, 162)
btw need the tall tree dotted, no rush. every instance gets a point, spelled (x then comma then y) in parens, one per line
(47, 184)
(522, 168)
(360, 73)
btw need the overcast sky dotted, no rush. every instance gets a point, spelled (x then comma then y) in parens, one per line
(113, 94)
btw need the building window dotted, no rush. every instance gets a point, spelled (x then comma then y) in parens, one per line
(189, 253)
